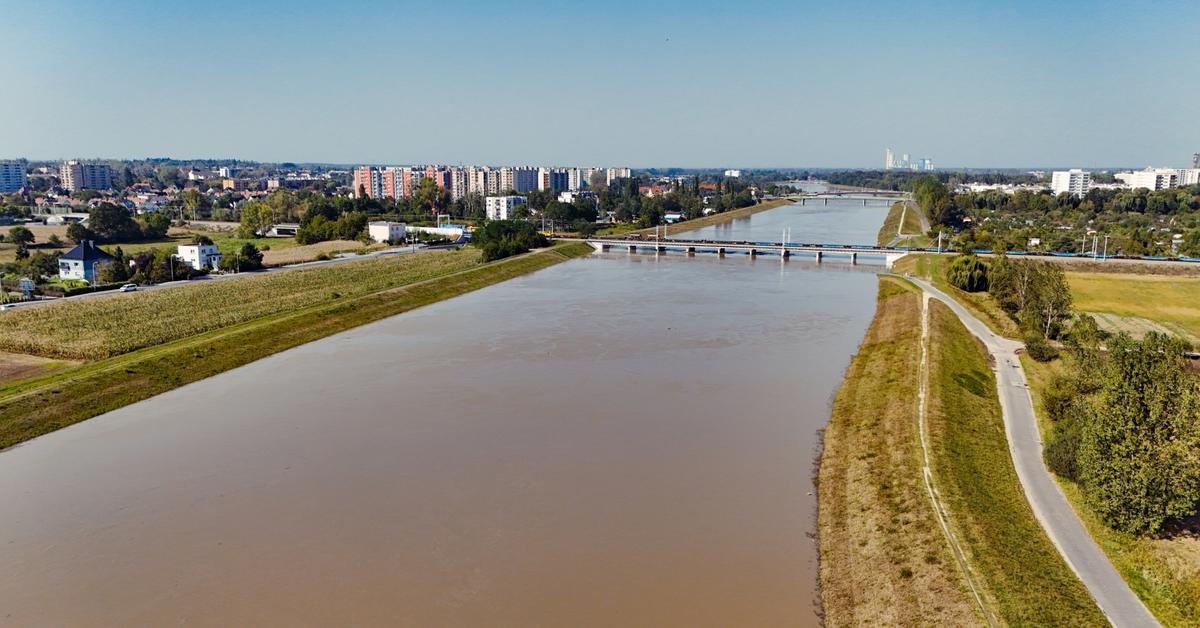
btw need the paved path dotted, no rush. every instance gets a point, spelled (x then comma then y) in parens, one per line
(1050, 506)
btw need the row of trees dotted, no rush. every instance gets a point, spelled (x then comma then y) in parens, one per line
(108, 222)
(1033, 293)
(504, 238)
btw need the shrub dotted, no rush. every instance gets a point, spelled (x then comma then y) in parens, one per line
(1039, 349)
(1062, 454)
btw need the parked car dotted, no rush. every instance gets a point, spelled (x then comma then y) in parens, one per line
(129, 287)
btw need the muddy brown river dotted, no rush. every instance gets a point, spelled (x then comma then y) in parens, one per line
(617, 440)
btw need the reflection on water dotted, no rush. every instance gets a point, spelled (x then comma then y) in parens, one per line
(841, 221)
(617, 440)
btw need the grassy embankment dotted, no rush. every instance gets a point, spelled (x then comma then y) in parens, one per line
(1163, 572)
(716, 219)
(884, 559)
(32, 407)
(902, 226)
(1024, 579)
(276, 251)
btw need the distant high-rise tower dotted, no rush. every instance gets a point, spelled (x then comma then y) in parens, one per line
(889, 160)
(1196, 160)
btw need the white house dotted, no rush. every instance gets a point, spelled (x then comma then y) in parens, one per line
(199, 256)
(83, 261)
(501, 207)
(385, 231)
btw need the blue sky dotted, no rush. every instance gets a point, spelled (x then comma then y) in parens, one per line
(751, 84)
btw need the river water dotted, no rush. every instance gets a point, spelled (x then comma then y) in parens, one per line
(616, 440)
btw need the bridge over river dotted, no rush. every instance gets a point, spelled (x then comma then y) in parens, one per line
(785, 250)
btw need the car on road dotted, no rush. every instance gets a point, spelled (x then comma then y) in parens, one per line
(129, 287)
(8, 306)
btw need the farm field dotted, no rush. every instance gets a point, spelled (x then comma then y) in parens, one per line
(102, 327)
(1170, 302)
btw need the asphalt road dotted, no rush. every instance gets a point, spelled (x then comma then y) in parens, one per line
(1050, 506)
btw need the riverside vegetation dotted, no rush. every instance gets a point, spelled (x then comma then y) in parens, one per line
(1120, 417)
(317, 306)
(884, 558)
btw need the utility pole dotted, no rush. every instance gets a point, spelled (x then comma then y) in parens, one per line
(1105, 256)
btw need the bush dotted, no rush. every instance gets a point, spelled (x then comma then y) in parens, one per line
(504, 238)
(1062, 454)
(1039, 349)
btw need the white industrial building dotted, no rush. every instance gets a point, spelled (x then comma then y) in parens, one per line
(199, 256)
(1074, 181)
(501, 207)
(385, 231)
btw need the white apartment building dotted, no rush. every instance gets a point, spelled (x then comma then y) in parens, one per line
(1074, 181)
(12, 175)
(617, 173)
(735, 174)
(385, 231)
(1160, 178)
(76, 175)
(199, 256)
(501, 207)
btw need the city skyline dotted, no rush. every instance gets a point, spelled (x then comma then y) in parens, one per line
(684, 85)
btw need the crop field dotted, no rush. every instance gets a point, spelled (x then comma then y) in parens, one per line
(1173, 302)
(100, 327)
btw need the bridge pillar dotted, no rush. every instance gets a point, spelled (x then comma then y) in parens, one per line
(691, 251)
(826, 201)
(721, 252)
(753, 252)
(804, 201)
(786, 254)
(605, 247)
(633, 248)
(854, 258)
(660, 249)
(819, 257)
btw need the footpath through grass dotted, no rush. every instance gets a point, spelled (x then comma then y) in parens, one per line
(35, 407)
(884, 557)
(1024, 578)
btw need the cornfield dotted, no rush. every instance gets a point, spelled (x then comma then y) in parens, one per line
(100, 327)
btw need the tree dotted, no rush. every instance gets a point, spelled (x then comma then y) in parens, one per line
(247, 258)
(598, 180)
(77, 233)
(21, 236)
(968, 273)
(1138, 461)
(503, 238)
(111, 223)
(257, 219)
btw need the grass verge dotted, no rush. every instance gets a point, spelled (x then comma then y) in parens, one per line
(1024, 578)
(39, 406)
(884, 558)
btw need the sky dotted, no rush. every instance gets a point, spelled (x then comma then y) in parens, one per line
(749, 84)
